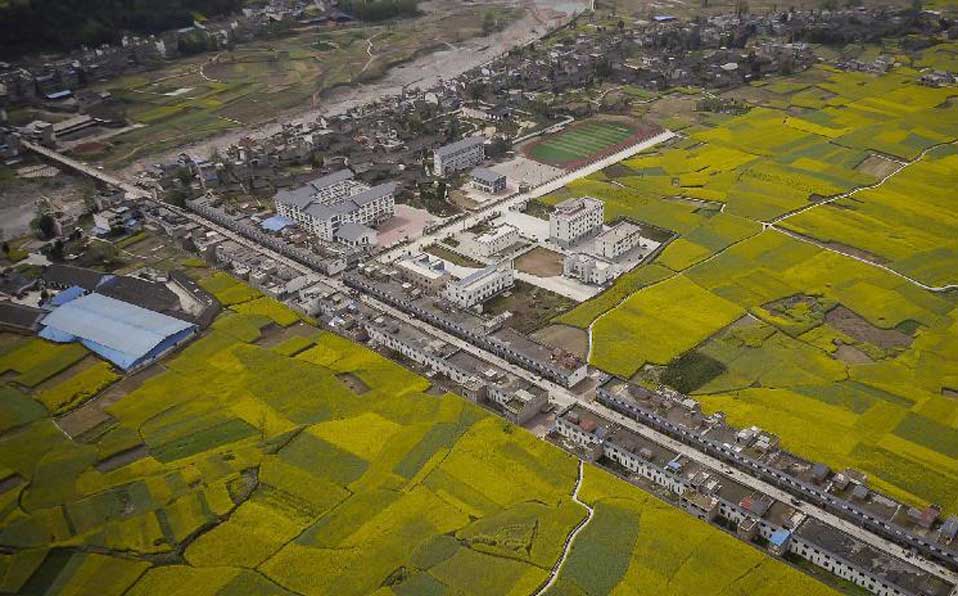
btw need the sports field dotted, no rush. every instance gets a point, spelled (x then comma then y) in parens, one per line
(583, 142)
(269, 457)
(831, 328)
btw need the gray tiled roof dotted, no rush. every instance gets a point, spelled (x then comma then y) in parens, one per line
(453, 148)
(486, 175)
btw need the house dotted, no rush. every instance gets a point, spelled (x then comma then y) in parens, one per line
(618, 240)
(481, 285)
(488, 181)
(573, 220)
(589, 269)
(492, 241)
(424, 271)
(460, 155)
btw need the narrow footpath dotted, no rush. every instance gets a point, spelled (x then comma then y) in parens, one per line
(567, 547)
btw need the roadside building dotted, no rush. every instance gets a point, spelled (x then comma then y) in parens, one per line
(492, 241)
(460, 155)
(356, 235)
(488, 181)
(576, 219)
(618, 240)
(481, 285)
(423, 270)
(589, 269)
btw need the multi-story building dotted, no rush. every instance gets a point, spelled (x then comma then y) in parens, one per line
(618, 240)
(460, 155)
(480, 286)
(492, 241)
(488, 181)
(426, 272)
(589, 269)
(325, 205)
(575, 219)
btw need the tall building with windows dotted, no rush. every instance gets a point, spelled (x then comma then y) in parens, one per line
(461, 155)
(575, 219)
(325, 205)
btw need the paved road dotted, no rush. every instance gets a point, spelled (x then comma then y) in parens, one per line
(503, 205)
(557, 394)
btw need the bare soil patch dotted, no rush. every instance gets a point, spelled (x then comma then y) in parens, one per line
(851, 355)
(853, 325)
(540, 262)
(571, 339)
(93, 413)
(877, 166)
(355, 384)
(122, 458)
(272, 337)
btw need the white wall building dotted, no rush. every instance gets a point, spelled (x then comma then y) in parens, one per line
(480, 286)
(467, 153)
(491, 241)
(325, 205)
(424, 271)
(618, 240)
(590, 269)
(575, 219)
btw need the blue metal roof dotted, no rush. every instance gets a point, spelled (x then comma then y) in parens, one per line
(119, 331)
(68, 295)
(275, 223)
(779, 537)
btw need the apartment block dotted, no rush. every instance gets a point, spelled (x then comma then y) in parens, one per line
(461, 155)
(576, 219)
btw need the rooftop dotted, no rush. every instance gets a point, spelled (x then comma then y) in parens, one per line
(486, 175)
(571, 207)
(876, 562)
(423, 264)
(461, 145)
(620, 231)
(120, 331)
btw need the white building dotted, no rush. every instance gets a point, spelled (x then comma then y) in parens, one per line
(325, 205)
(491, 241)
(488, 181)
(460, 155)
(575, 219)
(590, 269)
(618, 240)
(480, 286)
(424, 271)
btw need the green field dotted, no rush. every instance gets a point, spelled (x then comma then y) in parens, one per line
(261, 471)
(581, 142)
(807, 335)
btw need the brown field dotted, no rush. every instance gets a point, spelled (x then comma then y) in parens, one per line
(569, 338)
(540, 262)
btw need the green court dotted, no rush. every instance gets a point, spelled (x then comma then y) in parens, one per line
(581, 143)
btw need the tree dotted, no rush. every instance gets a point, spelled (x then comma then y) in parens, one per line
(56, 252)
(44, 226)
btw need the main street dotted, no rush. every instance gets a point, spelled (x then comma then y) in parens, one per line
(558, 395)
